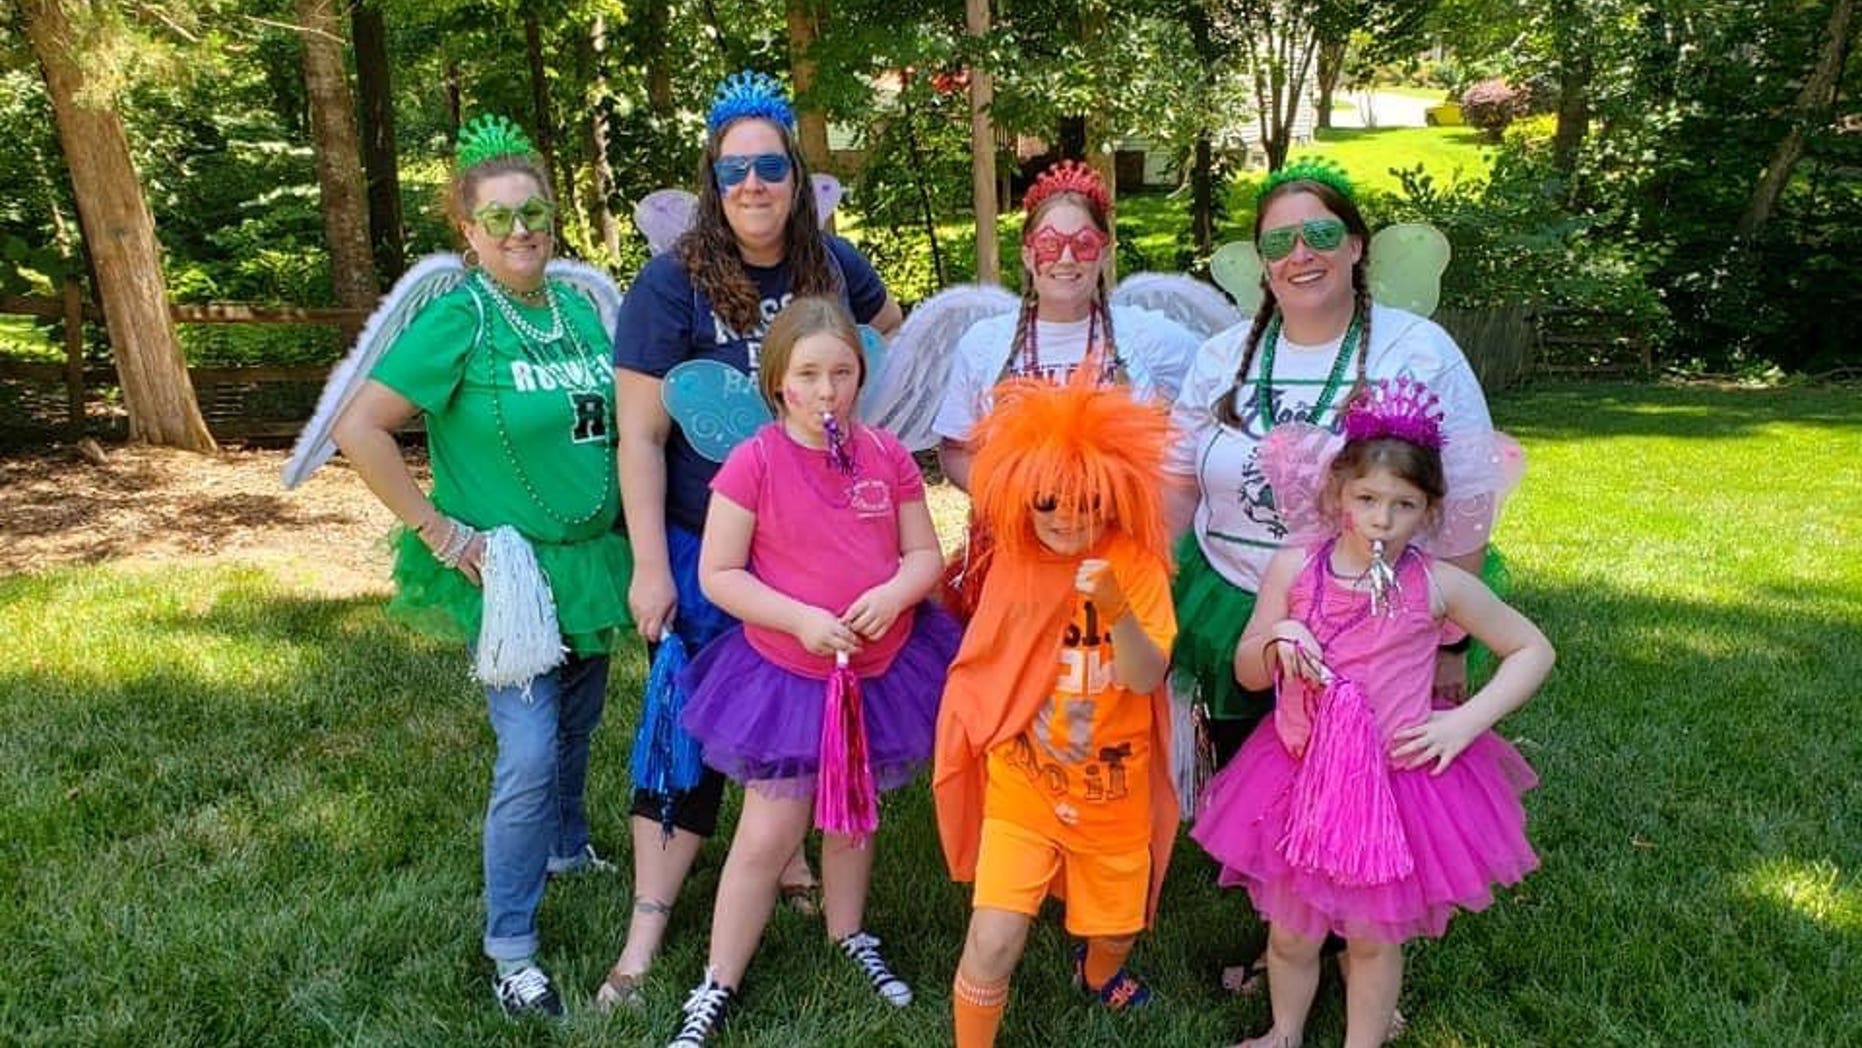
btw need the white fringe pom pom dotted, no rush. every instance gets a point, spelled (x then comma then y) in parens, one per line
(518, 639)
(1183, 750)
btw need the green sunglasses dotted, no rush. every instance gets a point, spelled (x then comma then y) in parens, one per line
(500, 219)
(1320, 234)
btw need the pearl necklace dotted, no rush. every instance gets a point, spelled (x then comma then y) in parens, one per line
(502, 299)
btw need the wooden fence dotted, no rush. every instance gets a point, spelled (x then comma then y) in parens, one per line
(267, 401)
(44, 400)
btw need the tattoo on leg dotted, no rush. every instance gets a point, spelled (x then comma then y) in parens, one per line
(652, 907)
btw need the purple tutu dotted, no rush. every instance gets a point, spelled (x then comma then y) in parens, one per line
(761, 724)
(1466, 830)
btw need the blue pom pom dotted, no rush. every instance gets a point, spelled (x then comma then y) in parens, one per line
(749, 94)
(666, 759)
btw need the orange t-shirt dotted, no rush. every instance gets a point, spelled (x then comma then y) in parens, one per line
(1080, 772)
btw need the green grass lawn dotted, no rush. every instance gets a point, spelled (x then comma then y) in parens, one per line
(1367, 154)
(234, 814)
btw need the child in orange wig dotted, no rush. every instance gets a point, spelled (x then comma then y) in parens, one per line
(1053, 760)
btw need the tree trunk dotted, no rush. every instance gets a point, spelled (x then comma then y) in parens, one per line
(1331, 67)
(1814, 105)
(455, 98)
(1099, 152)
(1573, 113)
(1202, 195)
(343, 198)
(370, 34)
(120, 234)
(920, 176)
(600, 208)
(659, 74)
(983, 153)
(540, 100)
(805, 18)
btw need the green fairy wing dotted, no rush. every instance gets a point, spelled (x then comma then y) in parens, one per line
(1407, 262)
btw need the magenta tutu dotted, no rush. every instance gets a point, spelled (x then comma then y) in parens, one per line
(760, 723)
(1466, 831)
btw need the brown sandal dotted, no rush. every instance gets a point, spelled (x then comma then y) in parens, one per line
(620, 990)
(803, 898)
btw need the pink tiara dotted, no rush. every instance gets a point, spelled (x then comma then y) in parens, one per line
(1401, 408)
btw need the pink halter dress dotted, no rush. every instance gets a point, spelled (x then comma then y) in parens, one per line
(1459, 833)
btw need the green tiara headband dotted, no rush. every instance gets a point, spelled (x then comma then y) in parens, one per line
(1309, 169)
(490, 137)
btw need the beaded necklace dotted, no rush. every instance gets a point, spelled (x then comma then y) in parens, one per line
(804, 457)
(580, 380)
(1111, 368)
(1263, 387)
(1353, 616)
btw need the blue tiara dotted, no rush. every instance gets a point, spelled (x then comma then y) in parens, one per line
(749, 94)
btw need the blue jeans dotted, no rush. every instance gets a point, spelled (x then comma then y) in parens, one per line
(536, 813)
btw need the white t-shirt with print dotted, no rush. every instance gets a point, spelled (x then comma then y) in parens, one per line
(1155, 349)
(1235, 522)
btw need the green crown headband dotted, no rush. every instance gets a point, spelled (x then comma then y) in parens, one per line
(1309, 169)
(490, 137)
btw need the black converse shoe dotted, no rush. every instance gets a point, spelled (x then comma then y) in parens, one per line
(864, 949)
(705, 1009)
(527, 991)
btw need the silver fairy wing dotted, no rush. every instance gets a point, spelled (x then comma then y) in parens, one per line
(594, 285)
(908, 386)
(663, 215)
(1193, 304)
(430, 278)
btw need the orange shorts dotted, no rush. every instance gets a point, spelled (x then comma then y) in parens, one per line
(1105, 893)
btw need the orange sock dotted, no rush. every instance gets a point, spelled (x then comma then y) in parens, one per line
(1104, 957)
(977, 1010)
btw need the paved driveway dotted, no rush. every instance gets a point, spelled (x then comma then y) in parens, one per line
(1386, 110)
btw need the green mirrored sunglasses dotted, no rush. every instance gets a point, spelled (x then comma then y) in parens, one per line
(500, 219)
(1320, 234)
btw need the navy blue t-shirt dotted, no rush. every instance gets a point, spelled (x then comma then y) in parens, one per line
(666, 321)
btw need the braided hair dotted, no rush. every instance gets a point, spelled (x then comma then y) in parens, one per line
(1347, 211)
(710, 254)
(1024, 341)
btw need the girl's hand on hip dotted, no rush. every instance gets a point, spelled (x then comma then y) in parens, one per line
(654, 603)
(821, 633)
(1438, 741)
(872, 613)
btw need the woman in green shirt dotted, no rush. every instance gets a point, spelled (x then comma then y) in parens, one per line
(509, 370)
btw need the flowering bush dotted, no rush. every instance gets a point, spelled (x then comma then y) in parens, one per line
(1491, 105)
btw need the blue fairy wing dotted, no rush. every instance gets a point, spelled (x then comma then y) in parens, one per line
(716, 405)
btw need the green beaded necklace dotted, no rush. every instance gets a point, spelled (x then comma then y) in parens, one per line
(1263, 387)
(573, 349)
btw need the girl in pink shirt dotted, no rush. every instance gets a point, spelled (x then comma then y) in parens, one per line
(818, 539)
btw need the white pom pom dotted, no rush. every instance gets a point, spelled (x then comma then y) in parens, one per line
(518, 639)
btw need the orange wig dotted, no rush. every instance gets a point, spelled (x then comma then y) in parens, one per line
(1078, 444)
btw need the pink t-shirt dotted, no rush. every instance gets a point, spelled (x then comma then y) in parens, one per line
(821, 536)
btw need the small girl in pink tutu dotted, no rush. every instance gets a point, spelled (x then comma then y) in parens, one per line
(1359, 809)
(818, 540)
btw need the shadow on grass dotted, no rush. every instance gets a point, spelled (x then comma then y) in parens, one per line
(1574, 411)
(265, 832)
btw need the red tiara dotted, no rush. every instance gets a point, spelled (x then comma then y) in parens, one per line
(1068, 176)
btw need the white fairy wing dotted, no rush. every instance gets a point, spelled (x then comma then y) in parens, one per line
(430, 278)
(906, 389)
(1407, 261)
(1193, 304)
(1480, 471)
(663, 216)
(594, 285)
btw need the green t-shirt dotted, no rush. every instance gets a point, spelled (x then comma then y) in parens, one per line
(519, 434)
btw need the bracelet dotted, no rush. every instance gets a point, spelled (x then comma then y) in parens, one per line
(458, 540)
(1459, 647)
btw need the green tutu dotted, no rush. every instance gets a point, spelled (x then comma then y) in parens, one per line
(588, 579)
(1211, 613)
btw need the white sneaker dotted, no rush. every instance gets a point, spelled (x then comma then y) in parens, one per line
(864, 949)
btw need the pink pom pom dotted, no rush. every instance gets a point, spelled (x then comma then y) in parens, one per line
(846, 801)
(1344, 822)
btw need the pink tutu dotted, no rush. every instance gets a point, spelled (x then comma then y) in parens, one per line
(1466, 831)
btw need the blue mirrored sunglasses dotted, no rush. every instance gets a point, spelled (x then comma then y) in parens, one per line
(769, 167)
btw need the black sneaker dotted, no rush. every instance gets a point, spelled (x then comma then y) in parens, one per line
(705, 1008)
(864, 949)
(527, 991)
